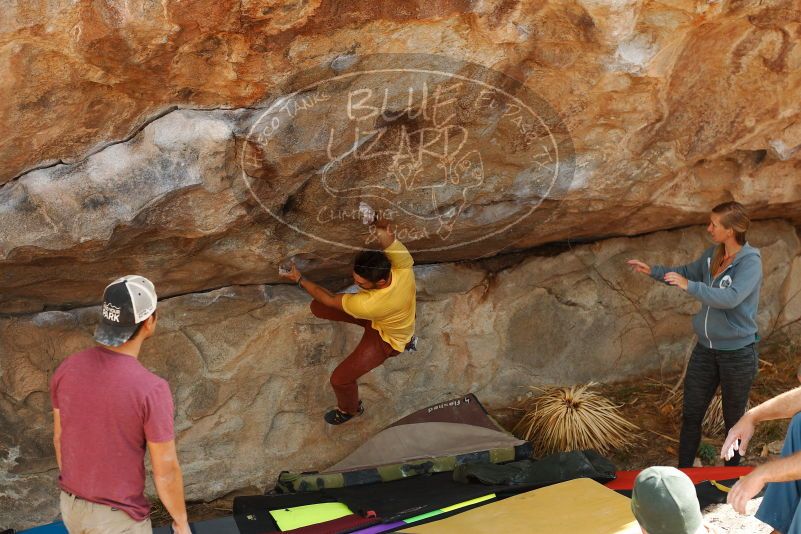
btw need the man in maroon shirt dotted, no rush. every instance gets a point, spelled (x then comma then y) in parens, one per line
(106, 408)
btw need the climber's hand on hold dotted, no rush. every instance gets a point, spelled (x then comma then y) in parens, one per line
(290, 272)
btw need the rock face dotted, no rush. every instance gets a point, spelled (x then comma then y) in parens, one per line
(203, 145)
(645, 114)
(249, 365)
(82, 75)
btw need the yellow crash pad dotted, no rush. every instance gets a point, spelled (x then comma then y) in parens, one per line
(577, 506)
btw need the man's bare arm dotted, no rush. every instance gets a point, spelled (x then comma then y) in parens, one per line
(57, 436)
(781, 406)
(321, 294)
(317, 292)
(169, 481)
(384, 233)
(781, 470)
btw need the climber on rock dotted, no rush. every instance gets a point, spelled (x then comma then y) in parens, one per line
(384, 306)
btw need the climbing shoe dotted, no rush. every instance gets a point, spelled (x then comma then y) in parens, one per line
(337, 416)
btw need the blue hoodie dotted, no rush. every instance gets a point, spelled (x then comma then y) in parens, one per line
(727, 320)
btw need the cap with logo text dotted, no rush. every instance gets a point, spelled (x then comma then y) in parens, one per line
(127, 302)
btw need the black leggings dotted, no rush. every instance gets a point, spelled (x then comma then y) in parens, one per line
(735, 371)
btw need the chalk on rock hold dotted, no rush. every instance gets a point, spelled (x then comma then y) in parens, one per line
(285, 267)
(367, 213)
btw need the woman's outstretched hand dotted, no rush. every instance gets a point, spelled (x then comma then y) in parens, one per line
(675, 279)
(639, 267)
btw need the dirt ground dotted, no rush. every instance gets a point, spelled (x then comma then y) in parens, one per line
(646, 403)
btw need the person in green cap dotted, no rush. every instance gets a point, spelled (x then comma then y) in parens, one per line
(664, 502)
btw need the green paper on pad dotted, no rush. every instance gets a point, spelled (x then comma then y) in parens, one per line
(311, 514)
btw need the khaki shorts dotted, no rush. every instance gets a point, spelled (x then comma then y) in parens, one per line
(84, 517)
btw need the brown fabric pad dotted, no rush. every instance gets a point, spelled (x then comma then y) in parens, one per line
(399, 444)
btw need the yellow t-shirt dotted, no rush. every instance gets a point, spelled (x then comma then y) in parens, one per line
(391, 309)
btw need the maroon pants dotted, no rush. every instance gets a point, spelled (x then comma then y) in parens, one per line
(371, 352)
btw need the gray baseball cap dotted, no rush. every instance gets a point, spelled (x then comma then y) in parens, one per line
(127, 301)
(664, 502)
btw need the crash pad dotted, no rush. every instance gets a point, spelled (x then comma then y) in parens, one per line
(580, 505)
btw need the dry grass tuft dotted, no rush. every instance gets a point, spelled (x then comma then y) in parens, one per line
(562, 419)
(713, 424)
